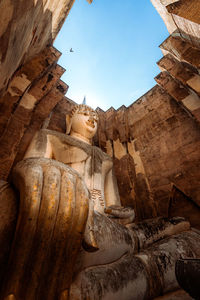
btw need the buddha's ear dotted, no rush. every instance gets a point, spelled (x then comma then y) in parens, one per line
(68, 123)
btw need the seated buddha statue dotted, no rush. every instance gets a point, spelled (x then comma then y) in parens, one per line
(73, 239)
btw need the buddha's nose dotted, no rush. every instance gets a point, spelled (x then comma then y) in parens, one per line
(91, 119)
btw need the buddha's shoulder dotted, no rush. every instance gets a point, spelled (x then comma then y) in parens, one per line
(48, 132)
(55, 136)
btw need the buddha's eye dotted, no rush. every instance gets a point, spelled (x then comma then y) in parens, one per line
(84, 113)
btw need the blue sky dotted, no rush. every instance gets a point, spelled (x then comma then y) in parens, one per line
(115, 51)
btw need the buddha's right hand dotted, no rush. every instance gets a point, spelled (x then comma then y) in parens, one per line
(52, 217)
(123, 215)
(48, 185)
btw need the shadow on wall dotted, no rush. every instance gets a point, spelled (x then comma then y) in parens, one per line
(25, 29)
(184, 206)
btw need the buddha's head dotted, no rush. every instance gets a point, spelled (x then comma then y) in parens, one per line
(82, 123)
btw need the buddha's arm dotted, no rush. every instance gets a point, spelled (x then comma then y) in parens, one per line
(111, 190)
(40, 146)
(113, 208)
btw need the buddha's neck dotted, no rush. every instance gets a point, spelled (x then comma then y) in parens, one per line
(80, 137)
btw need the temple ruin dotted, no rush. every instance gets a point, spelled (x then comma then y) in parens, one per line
(154, 143)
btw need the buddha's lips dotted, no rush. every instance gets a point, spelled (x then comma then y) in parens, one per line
(90, 123)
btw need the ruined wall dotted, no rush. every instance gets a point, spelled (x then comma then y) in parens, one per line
(30, 85)
(32, 93)
(181, 62)
(181, 16)
(155, 144)
(26, 28)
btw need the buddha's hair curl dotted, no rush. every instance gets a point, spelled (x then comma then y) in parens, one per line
(81, 108)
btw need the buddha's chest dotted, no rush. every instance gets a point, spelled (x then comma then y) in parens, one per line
(88, 165)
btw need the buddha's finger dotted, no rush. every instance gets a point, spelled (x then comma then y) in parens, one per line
(44, 232)
(120, 212)
(28, 179)
(58, 255)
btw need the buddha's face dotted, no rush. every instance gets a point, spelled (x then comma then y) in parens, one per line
(84, 123)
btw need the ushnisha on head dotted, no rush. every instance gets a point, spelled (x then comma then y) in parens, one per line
(82, 123)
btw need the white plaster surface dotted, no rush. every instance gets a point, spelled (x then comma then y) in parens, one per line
(192, 102)
(28, 101)
(194, 83)
(20, 82)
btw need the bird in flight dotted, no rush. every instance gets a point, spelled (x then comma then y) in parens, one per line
(71, 50)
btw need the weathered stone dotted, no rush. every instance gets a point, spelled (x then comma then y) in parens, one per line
(18, 123)
(26, 29)
(187, 274)
(8, 220)
(121, 124)
(150, 231)
(101, 132)
(184, 206)
(142, 276)
(58, 115)
(165, 15)
(188, 30)
(182, 49)
(110, 131)
(188, 9)
(184, 72)
(27, 92)
(160, 129)
(120, 150)
(189, 99)
(126, 179)
(172, 86)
